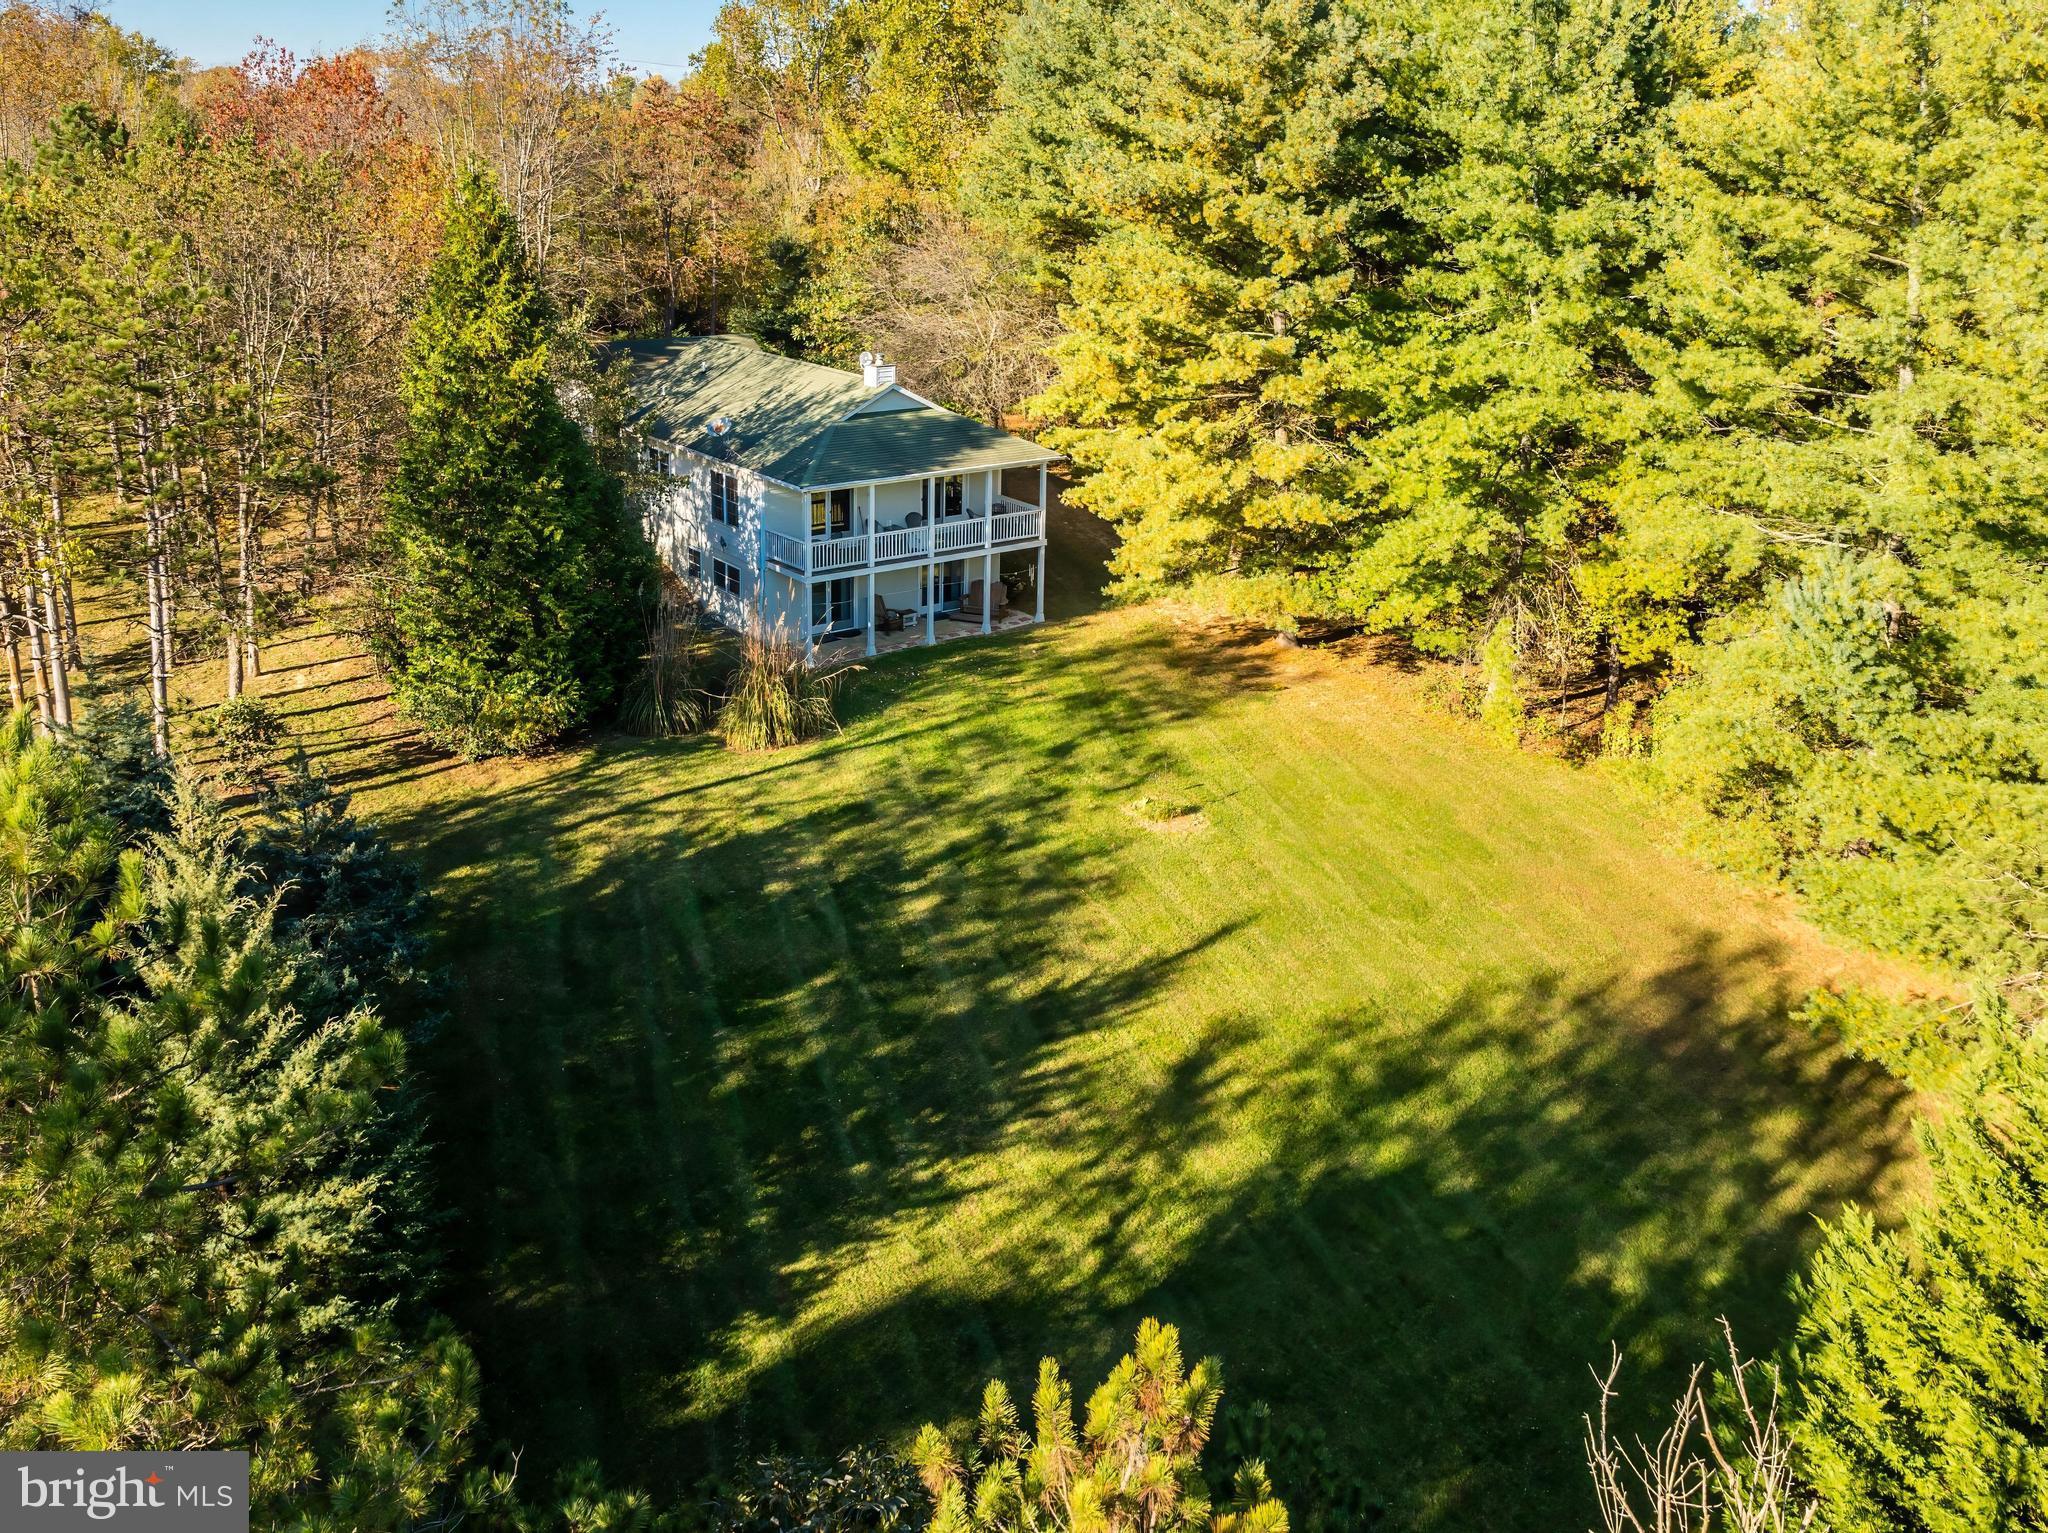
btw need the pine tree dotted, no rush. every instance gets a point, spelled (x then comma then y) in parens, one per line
(513, 619)
(194, 1190)
(1350, 292)
(1923, 1357)
(1214, 183)
(1133, 1462)
(1842, 491)
(1505, 395)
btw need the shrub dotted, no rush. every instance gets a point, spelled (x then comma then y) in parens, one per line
(1325, 1491)
(776, 698)
(865, 1490)
(134, 781)
(1924, 1043)
(247, 732)
(1922, 1355)
(1501, 713)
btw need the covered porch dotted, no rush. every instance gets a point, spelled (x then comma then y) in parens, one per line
(920, 519)
(919, 559)
(854, 647)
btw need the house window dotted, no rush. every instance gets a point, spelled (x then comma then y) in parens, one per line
(725, 498)
(697, 563)
(952, 495)
(952, 585)
(831, 513)
(832, 604)
(653, 460)
(725, 576)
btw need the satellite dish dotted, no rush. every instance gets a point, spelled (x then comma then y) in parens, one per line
(868, 359)
(721, 426)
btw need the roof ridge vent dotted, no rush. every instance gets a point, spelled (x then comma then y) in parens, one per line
(876, 372)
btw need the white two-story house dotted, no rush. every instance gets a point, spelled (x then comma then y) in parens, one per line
(838, 506)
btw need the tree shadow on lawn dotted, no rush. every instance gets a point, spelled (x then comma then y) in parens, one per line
(787, 1098)
(1416, 1233)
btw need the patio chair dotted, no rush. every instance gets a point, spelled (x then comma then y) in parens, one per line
(971, 606)
(889, 619)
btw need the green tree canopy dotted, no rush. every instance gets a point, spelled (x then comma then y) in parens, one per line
(196, 1200)
(1847, 470)
(1923, 1356)
(514, 606)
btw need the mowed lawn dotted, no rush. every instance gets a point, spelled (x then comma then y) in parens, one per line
(784, 1099)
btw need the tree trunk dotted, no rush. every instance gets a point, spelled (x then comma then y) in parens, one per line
(58, 564)
(60, 681)
(159, 638)
(1613, 692)
(17, 692)
(53, 695)
(39, 674)
(156, 582)
(245, 578)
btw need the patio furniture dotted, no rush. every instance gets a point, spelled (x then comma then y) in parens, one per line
(889, 619)
(971, 606)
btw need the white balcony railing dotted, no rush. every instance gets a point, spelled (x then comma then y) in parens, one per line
(786, 550)
(899, 543)
(1016, 526)
(951, 537)
(1012, 523)
(848, 553)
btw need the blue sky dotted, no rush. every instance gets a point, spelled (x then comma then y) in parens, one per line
(652, 35)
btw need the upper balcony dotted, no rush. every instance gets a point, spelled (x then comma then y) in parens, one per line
(882, 545)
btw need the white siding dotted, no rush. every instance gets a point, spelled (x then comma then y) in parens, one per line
(679, 520)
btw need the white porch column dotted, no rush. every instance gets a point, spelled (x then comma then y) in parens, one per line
(988, 587)
(931, 556)
(988, 493)
(1041, 488)
(868, 618)
(1038, 587)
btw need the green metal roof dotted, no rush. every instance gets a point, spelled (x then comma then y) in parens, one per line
(794, 421)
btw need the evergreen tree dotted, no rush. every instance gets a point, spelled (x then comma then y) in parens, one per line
(1844, 490)
(1132, 1463)
(1350, 292)
(513, 617)
(1505, 396)
(193, 1204)
(1215, 183)
(1923, 1357)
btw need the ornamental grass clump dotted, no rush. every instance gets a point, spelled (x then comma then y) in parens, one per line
(776, 699)
(668, 697)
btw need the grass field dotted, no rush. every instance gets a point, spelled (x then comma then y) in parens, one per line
(784, 1099)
